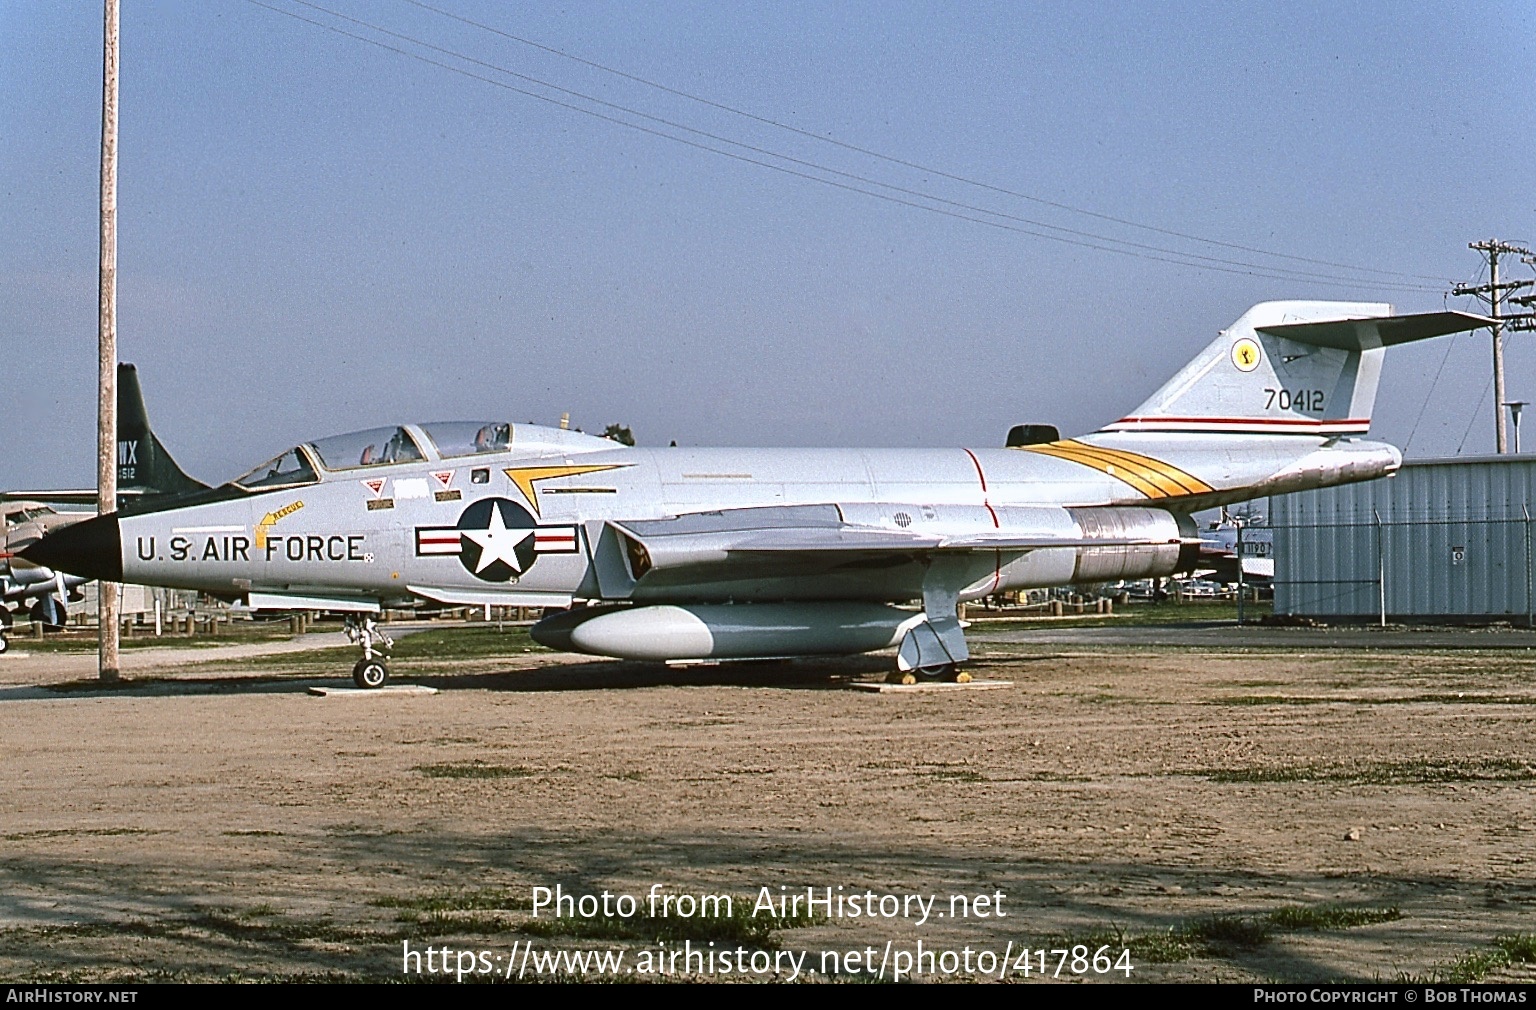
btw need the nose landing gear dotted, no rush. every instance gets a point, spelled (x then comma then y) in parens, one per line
(372, 671)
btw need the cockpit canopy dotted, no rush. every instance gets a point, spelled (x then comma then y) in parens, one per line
(378, 447)
(374, 447)
(468, 438)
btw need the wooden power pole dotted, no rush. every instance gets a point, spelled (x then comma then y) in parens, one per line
(1494, 293)
(106, 331)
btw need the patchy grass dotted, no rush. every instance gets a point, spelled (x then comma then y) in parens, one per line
(737, 926)
(229, 925)
(480, 642)
(420, 650)
(1519, 948)
(1414, 699)
(1166, 612)
(19, 836)
(1418, 772)
(487, 899)
(1323, 918)
(497, 910)
(1223, 935)
(82, 640)
(476, 770)
(1227, 932)
(951, 774)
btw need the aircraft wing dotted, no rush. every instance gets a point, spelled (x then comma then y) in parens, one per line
(83, 497)
(776, 536)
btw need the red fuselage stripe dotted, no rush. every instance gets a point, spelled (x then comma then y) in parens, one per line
(1292, 422)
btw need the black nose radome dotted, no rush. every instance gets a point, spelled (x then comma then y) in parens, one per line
(92, 549)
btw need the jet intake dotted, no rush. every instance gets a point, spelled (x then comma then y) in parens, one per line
(727, 631)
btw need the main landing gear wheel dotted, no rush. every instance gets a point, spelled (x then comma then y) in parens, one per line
(4, 643)
(938, 673)
(370, 674)
(49, 612)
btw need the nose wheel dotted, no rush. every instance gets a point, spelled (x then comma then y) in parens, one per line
(372, 671)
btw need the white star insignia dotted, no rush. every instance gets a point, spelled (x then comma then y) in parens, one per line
(497, 543)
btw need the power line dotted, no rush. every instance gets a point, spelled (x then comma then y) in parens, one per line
(868, 152)
(1082, 239)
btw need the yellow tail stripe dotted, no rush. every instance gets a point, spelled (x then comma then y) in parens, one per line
(1182, 483)
(1133, 478)
(1117, 463)
(1152, 477)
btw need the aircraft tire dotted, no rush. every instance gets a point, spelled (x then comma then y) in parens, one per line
(939, 672)
(49, 612)
(4, 642)
(370, 674)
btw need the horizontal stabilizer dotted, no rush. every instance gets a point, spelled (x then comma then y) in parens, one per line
(1384, 331)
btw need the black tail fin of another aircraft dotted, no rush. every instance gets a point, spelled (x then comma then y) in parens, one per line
(144, 467)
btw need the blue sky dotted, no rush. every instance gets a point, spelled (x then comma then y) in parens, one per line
(317, 234)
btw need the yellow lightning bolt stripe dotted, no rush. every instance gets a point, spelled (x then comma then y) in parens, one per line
(1169, 478)
(524, 477)
(1152, 477)
(270, 520)
(1134, 479)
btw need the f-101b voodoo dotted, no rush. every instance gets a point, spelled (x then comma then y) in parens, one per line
(709, 554)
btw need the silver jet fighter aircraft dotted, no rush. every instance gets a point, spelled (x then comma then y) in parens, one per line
(713, 554)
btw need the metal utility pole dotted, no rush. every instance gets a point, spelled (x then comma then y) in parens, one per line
(106, 331)
(1494, 293)
(1242, 588)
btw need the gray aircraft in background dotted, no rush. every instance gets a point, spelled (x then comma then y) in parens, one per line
(145, 471)
(684, 555)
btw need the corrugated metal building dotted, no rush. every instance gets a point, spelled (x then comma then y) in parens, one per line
(1446, 539)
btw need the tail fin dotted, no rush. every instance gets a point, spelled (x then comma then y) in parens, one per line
(144, 467)
(1289, 368)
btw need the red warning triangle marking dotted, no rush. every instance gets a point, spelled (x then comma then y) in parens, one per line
(376, 485)
(443, 477)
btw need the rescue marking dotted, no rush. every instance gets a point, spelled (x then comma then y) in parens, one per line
(271, 519)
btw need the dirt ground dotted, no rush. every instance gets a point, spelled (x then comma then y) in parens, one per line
(1228, 814)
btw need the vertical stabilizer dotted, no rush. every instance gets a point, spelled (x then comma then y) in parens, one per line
(1252, 379)
(1290, 367)
(144, 467)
